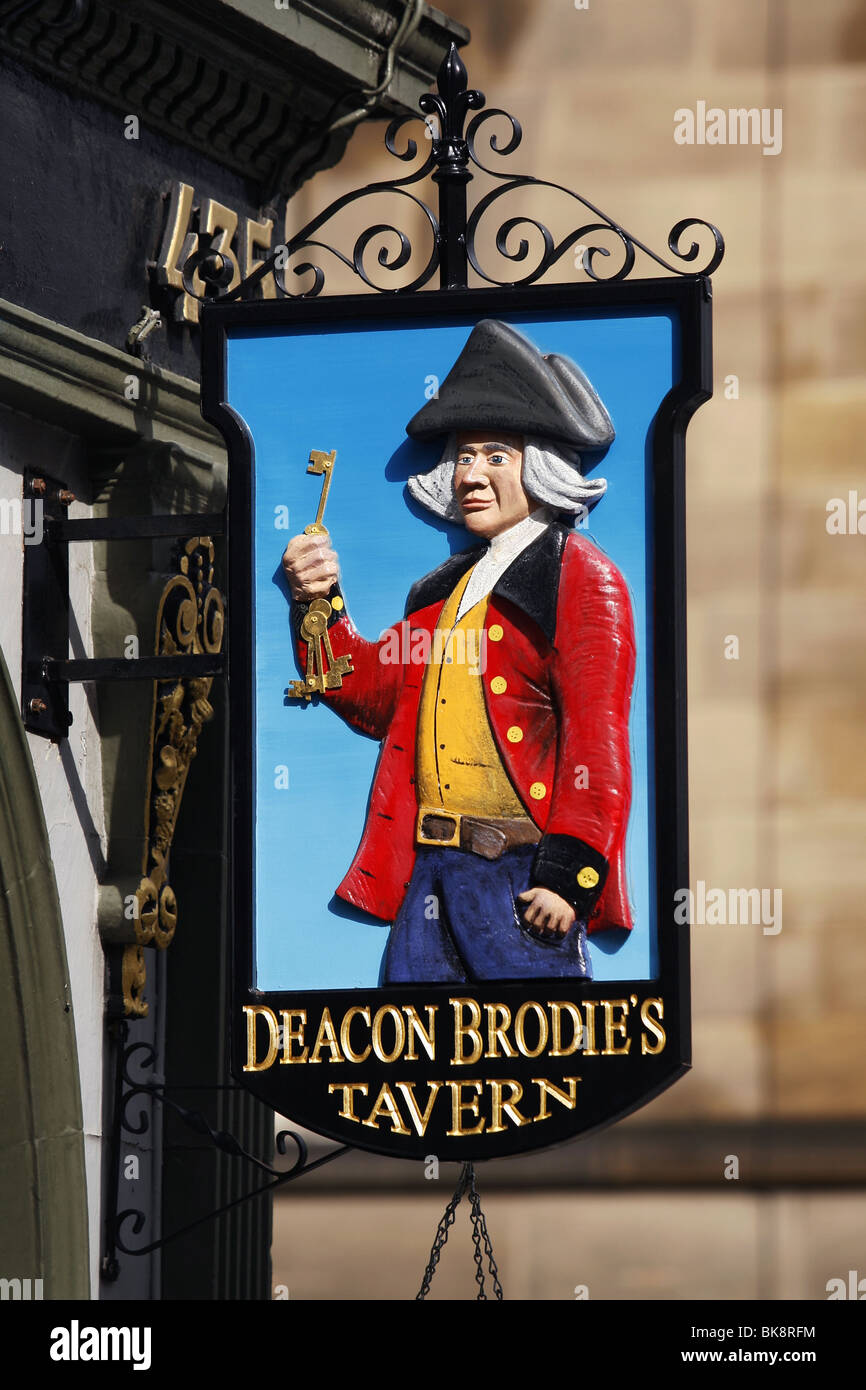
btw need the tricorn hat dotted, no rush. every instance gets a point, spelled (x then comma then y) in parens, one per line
(501, 381)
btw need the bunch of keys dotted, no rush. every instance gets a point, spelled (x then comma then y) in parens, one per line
(314, 625)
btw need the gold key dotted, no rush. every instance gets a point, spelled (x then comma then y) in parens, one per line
(338, 666)
(321, 463)
(314, 625)
(319, 678)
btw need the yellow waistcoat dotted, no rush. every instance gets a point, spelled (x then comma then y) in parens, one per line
(457, 763)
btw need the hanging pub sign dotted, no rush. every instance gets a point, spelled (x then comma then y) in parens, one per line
(457, 678)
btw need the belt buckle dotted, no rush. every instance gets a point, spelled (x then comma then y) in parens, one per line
(423, 839)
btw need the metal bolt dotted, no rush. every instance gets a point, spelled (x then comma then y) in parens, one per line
(66, 497)
(37, 706)
(39, 486)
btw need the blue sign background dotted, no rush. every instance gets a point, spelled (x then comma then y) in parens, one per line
(353, 388)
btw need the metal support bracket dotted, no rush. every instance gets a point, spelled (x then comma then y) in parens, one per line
(127, 1089)
(46, 668)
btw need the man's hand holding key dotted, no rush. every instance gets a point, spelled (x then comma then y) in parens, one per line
(311, 566)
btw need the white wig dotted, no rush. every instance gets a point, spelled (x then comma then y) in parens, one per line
(551, 475)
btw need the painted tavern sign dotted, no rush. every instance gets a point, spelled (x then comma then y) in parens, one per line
(457, 677)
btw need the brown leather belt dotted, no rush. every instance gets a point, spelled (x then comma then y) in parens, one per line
(489, 838)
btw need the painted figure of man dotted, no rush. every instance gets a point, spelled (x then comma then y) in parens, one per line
(495, 836)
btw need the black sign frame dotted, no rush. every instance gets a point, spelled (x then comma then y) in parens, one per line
(627, 1080)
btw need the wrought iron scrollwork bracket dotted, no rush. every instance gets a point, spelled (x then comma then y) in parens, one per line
(189, 626)
(457, 238)
(47, 670)
(189, 638)
(127, 1090)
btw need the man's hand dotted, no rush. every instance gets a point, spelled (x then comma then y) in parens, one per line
(311, 567)
(546, 912)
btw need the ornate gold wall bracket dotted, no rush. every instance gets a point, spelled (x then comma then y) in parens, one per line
(190, 621)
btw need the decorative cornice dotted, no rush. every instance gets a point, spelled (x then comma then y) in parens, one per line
(78, 383)
(243, 82)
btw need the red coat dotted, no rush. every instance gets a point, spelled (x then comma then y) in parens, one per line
(567, 652)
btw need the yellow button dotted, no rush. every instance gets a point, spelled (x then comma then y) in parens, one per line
(514, 734)
(499, 685)
(336, 603)
(494, 632)
(538, 791)
(587, 878)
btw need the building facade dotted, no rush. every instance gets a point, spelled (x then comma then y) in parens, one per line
(134, 134)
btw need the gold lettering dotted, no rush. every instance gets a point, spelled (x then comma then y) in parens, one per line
(253, 1011)
(178, 244)
(498, 1019)
(256, 236)
(388, 1011)
(218, 225)
(458, 1104)
(291, 1035)
(542, 1028)
(590, 1007)
(462, 1029)
(547, 1088)
(497, 1105)
(610, 1027)
(387, 1106)
(408, 1088)
(326, 1037)
(348, 1089)
(557, 1050)
(658, 1032)
(345, 1026)
(417, 1030)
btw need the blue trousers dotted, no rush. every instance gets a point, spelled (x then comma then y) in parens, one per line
(460, 922)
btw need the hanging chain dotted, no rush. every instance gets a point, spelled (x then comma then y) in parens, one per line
(480, 1237)
(442, 1234)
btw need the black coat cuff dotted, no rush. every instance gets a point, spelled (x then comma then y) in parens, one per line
(573, 869)
(300, 610)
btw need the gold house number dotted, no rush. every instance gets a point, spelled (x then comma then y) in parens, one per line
(238, 239)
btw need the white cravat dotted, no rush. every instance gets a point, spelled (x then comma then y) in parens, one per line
(502, 551)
